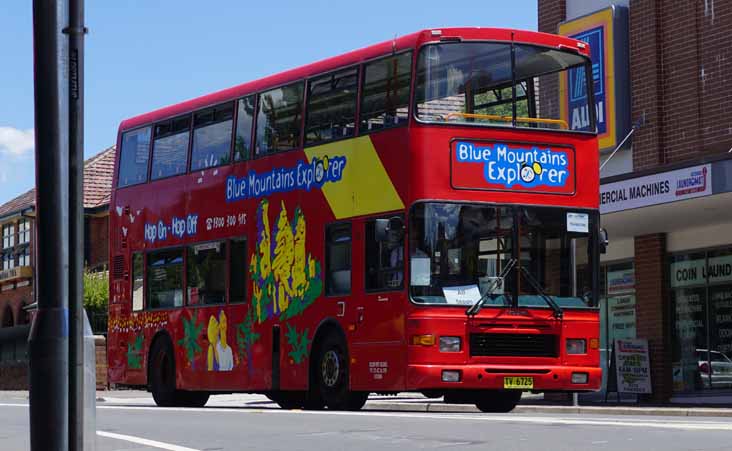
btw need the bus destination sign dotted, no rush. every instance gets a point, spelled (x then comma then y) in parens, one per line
(511, 167)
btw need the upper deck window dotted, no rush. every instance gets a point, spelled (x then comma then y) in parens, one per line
(331, 112)
(212, 136)
(385, 96)
(244, 123)
(134, 157)
(170, 148)
(279, 119)
(481, 83)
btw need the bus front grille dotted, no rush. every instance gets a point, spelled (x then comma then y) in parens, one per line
(513, 345)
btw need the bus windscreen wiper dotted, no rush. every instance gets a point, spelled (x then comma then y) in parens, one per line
(558, 312)
(475, 308)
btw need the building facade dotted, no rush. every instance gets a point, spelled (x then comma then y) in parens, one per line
(18, 251)
(666, 196)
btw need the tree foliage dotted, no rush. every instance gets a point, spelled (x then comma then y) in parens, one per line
(96, 291)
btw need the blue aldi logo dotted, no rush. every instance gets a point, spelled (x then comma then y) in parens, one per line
(579, 116)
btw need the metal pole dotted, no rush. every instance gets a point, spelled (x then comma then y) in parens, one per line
(75, 32)
(573, 278)
(48, 340)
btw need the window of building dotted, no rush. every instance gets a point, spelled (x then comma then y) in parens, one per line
(384, 260)
(134, 157)
(279, 119)
(24, 256)
(8, 260)
(385, 93)
(165, 279)
(338, 259)
(170, 148)
(8, 236)
(238, 270)
(23, 231)
(207, 273)
(331, 111)
(244, 123)
(212, 136)
(701, 302)
(138, 282)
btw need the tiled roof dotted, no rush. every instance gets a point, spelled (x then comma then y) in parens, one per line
(98, 171)
(20, 203)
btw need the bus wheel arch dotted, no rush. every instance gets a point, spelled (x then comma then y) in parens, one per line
(330, 369)
(161, 370)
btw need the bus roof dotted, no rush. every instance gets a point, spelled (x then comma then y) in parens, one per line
(410, 41)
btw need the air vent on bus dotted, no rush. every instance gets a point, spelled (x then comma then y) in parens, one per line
(513, 345)
(118, 266)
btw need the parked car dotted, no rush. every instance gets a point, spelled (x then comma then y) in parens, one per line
(719, 374)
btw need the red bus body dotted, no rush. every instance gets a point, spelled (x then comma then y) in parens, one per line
(386, 173)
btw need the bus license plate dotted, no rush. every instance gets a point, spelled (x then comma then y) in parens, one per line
(518, 382)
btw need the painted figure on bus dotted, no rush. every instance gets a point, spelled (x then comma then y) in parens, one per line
(283, 260)
(220, 356)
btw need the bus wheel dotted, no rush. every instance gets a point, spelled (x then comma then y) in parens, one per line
(332, 376)
(162, 374)
(499, 401)
(192, 398)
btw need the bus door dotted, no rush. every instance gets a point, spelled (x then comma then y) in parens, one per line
(379, 338)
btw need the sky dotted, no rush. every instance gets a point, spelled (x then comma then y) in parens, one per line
(142, 55)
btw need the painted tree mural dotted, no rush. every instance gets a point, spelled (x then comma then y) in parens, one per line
(191, 331)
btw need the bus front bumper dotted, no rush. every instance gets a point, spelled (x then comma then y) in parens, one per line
(492, 377)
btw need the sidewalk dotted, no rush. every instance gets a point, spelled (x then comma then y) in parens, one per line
(411, 402)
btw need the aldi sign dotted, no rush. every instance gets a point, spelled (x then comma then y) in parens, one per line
(606, 33)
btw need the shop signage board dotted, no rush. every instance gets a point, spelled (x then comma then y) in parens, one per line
(632, 366)
(661, 188)
(606, 33)
(700, 271)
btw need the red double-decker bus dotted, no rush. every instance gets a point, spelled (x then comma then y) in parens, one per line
(411, 216)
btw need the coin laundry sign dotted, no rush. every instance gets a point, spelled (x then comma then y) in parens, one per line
(508, 167)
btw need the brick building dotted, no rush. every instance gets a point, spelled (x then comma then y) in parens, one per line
(666, 197)
(17, 232)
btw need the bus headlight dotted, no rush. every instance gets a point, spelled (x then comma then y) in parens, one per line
(450, 344)
(576, 346)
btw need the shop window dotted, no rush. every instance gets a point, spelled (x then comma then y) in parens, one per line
(385, 93)
(134, 157)
(138, 279)
(170, 148)
(701, 299)
(331, 111)
(212, 137)
(384, 260)
(238, 270)
(207, 273)
(244, 123)
(279, 119)
(165, 279)
(338, 259)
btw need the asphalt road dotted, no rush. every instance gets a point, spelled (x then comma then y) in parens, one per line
(133, 425)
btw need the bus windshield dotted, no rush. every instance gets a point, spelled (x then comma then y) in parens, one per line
(460, 253)
(481, 83)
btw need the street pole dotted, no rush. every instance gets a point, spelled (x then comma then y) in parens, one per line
(75, 32)
(48, 339)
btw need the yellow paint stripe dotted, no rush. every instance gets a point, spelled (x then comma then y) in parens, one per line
(365, 187)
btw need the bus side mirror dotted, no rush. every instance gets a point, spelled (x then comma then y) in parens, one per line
(604, 240)
(389, 229)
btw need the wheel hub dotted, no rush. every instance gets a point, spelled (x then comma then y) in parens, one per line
(330, 368)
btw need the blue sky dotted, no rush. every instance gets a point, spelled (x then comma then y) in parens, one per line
(142, 55)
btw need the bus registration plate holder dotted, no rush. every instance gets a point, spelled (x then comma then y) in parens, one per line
(518, 382)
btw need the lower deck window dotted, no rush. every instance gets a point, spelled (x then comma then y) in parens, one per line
(165, 278)
(207, 273)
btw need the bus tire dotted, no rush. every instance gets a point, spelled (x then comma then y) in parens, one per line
(192, 398)
(498, 401)
(162, 374)
(331, 370)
